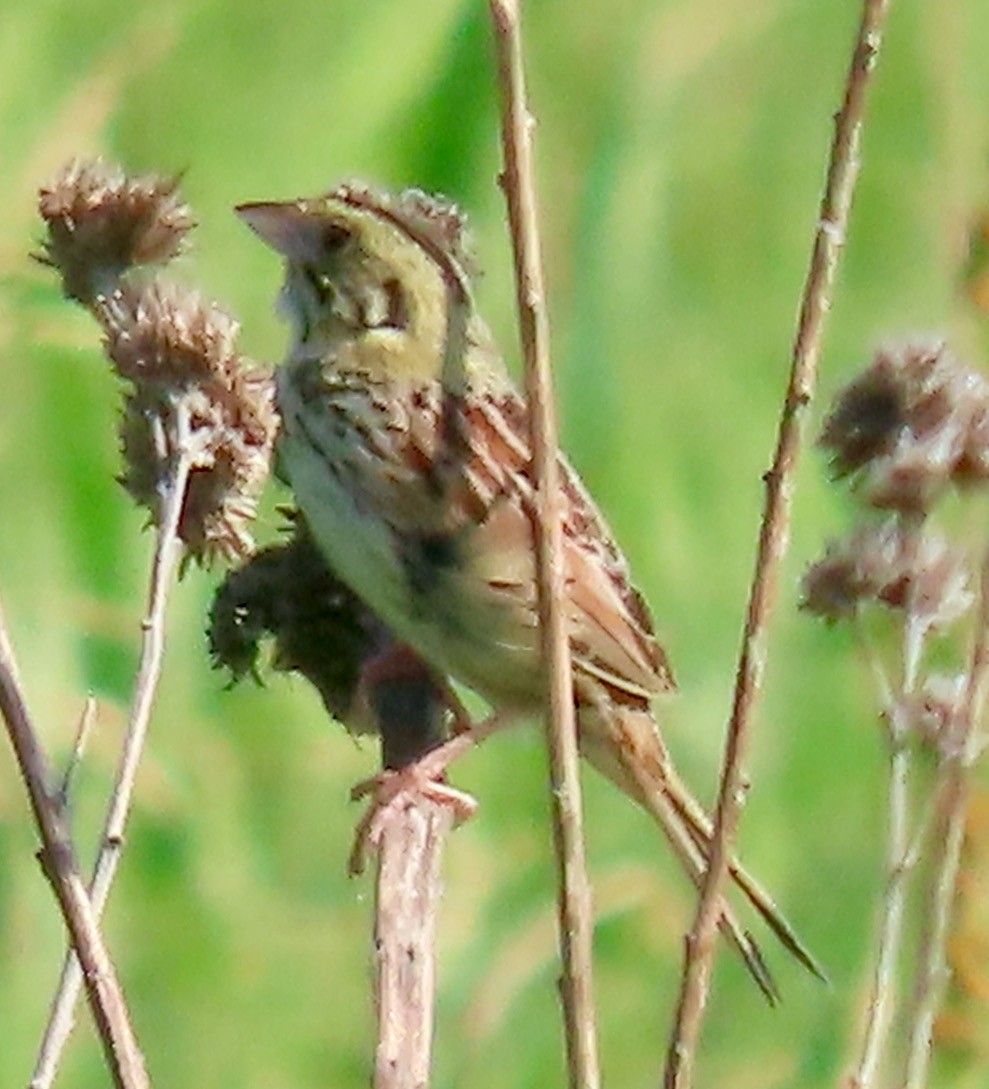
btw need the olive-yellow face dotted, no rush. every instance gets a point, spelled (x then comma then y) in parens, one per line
(352, 274)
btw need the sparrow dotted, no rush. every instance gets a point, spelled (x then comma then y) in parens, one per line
(407, 447)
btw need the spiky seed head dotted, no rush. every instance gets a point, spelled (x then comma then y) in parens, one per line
(175, 348)
(914, 422)
(101, 222)
(887, 565)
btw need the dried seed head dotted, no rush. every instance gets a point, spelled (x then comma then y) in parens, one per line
(102, 223)
(853, 572)
(178, 354)
(165, 335)
(973, 466)
(936, 712)
(885, 565)
(914, 476)
(320, 629)
(911, 424)
(176, 349)
(938, 577)
(328, 635)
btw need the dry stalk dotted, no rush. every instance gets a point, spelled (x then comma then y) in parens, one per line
(410, 817)
(58, 860)
(899, 843)
(774, 538)
(897, 562)
(407, 901)
(932, 970)
(167, 551)
(84, 727)
(576, 923)
(178, 360)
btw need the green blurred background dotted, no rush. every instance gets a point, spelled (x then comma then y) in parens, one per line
(681, 149)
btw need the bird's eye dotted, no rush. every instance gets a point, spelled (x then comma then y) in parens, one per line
(333, 237)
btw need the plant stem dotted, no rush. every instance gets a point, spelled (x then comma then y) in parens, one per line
(407, 901)
(167, 551)
(878, 1014)
(774, 538)
(900, 843)
(576, 920)
(58, 860)
(953, 788)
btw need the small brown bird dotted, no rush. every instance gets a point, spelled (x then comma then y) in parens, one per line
(427, 514)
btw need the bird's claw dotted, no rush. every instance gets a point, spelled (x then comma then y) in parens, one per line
(390, 791)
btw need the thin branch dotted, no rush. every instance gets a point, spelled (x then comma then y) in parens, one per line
(932, 974)
(87, 720)
(576, 921)
(167, 552)
(410, 817)
(879, 1009)
(407, 900)
(58, 861)
(774, 537)
(902, 849)
(904, 829)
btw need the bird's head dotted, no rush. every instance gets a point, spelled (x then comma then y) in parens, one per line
(367, 275)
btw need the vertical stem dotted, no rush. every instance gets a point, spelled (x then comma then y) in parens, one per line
(883, 995)
(167, 551)
(409, 833)
(406, 907)
(574, 897)
(774, 538)
(58, 859)
(878, 1015)
(932, 972)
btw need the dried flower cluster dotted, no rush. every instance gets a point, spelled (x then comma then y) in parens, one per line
(913, 423)
(320, 629)
(325, 633)
(170, 345)
(102, 223)
(934, 713)
(887, 565)
(177, 353)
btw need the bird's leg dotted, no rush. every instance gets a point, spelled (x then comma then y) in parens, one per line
(419, 778)
(434, 763)
(398, 665)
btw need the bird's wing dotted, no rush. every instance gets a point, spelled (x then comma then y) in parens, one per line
(484, 500)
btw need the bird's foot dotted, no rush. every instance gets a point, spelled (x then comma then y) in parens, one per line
(390, 792)
(391, 788)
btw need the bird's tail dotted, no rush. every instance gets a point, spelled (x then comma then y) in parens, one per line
(630, 752)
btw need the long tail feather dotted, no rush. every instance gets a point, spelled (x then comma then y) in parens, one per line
(609, 761)
(700, 827)
(694, 862)
(630, 753)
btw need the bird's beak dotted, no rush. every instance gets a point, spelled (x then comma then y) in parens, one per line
(286, 226)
